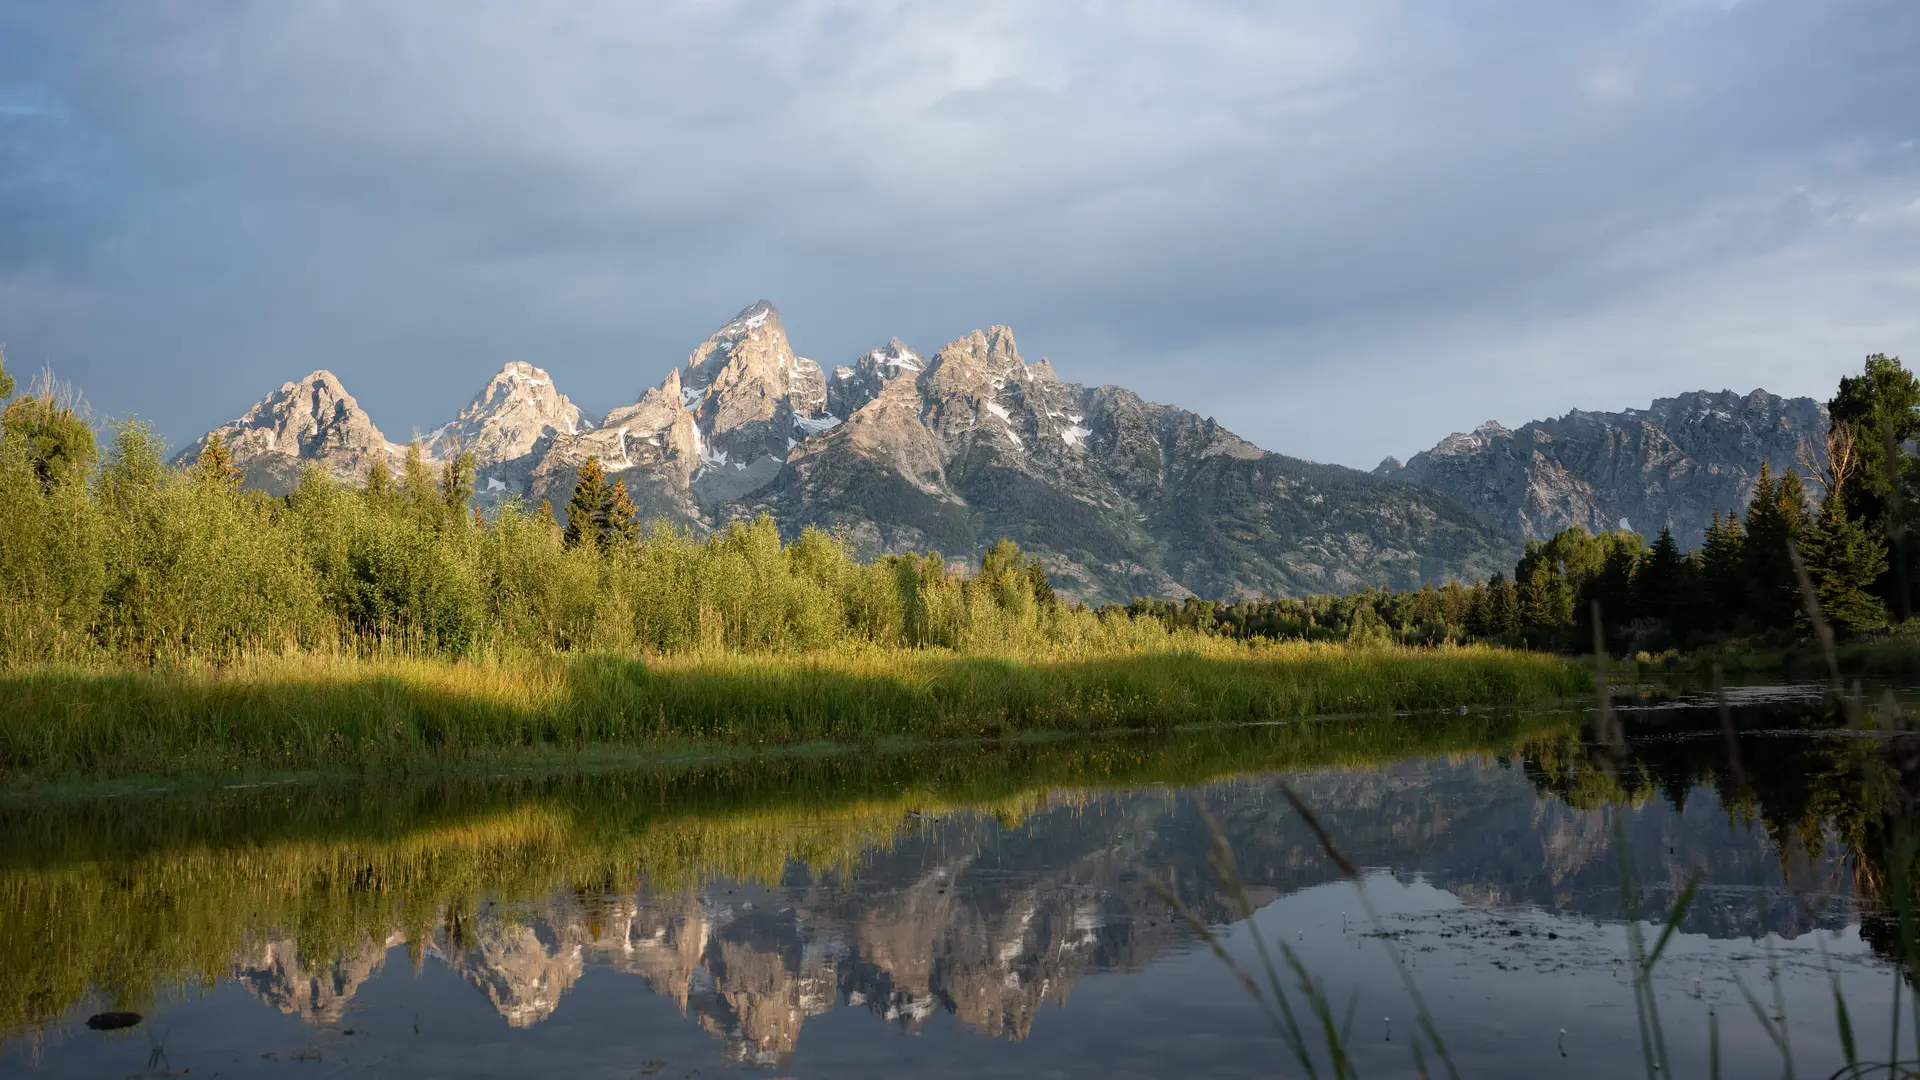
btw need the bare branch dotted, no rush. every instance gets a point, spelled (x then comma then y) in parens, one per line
(1829, 466)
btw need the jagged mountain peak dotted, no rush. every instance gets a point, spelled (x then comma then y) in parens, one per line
(508, 418)
(508, 426)
(991, 352)
(754, 315)
(1671, 464)
(311, 419)
(952, 451)
(854, 385)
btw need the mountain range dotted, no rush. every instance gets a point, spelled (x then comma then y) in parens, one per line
(1118, 496)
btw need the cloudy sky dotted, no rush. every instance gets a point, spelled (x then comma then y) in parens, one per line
(1344, 229)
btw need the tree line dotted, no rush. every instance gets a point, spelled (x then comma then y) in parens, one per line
(1838, 522)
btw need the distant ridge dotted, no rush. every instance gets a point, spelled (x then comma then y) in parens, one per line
(1669, 465)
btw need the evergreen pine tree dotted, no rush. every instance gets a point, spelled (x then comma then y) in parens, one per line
(1775, 517)
(1037, 582)
(1479, 618)
(6, 380)
(1657, 585)
(1723, 581)
(215, 463)
(546, 516)
(1612, 586)
(1844, 559)
(1540, 606)
(622, 519)
(1504, 605)
(589, 500)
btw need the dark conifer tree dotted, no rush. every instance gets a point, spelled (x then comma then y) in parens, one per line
(1723, 580)
(1662, 575)
(1612, 586)
(1880, 411)
(1775, 518)
(586, 509)
(1503, 605)
(1479, 618)
(1843, 560)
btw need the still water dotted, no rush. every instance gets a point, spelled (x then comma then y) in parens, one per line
(994, 910)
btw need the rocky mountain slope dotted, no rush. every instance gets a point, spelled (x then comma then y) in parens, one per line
(1118, 496)
(313, 420)
(1668, 465)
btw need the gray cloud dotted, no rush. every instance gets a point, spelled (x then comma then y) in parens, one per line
(1346, 230)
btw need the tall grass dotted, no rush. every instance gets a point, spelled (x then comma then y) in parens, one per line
(303, 711)
(150, 565)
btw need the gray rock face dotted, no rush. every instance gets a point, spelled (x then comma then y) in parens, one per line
(1668, 465)
(508, 427)
(1117, 496)
(313, 420)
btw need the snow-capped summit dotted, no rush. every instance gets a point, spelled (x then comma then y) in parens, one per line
(509, 416)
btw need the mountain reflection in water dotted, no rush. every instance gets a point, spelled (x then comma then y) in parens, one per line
(763, 901)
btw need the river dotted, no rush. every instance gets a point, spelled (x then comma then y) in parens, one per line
(991, 909)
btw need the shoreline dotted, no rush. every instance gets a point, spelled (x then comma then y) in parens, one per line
(272, 718)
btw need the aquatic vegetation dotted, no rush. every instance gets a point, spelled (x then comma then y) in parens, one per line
(303, 711)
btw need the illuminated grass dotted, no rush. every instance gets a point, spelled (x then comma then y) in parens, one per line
(302, 712)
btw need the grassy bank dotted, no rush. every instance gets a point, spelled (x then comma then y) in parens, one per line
(119, 896)
(1892, 657)
(301, 712)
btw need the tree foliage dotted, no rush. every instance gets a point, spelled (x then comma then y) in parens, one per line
(587, 508)
(1843, 559)
(215, 463)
